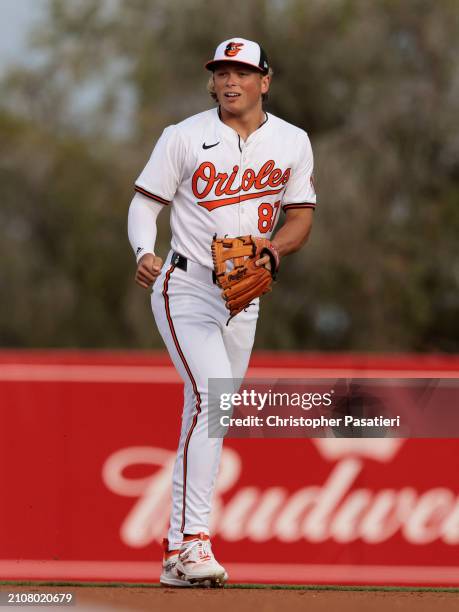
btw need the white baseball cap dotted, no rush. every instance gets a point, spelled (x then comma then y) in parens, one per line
(242, 51)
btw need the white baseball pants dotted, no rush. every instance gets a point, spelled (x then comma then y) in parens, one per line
(191, 317)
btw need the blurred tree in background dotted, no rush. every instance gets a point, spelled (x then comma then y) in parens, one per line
(375, 84)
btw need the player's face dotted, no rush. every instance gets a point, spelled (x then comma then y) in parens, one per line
(239, 88)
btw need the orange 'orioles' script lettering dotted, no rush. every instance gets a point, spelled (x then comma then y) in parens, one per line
(269, 181)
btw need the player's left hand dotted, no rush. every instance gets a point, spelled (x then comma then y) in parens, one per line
(264, 261)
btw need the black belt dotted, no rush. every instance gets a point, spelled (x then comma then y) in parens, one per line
(179, 261)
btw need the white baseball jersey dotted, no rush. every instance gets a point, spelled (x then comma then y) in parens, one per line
(219, 184)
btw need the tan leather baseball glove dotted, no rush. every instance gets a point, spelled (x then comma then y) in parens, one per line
(245, 281)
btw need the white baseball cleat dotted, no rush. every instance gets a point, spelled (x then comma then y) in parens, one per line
(169, 576)
(197, 565)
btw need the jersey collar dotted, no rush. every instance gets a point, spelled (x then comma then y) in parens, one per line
(231, 131)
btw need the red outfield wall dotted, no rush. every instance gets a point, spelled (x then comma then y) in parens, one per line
(85, 465)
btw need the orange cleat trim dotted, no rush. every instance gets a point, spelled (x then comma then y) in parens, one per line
(195, 536)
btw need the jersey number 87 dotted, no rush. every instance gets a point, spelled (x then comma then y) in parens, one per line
(267, 215)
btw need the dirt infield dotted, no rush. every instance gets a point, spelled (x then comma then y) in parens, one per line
(132, 598)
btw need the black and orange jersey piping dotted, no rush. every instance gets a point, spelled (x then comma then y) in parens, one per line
(152, 196)
(299, 205)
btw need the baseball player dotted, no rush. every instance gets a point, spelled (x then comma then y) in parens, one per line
(226, 171)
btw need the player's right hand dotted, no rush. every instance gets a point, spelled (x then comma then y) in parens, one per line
(148, 270)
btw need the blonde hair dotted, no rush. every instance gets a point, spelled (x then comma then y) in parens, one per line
(213, 95)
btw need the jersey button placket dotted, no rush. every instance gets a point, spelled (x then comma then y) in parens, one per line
(242, 148)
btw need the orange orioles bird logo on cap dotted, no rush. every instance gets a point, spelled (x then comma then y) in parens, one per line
(233, 49)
